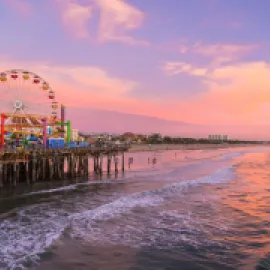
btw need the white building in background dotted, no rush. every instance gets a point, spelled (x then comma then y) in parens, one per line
(218, 137)
(74, 134)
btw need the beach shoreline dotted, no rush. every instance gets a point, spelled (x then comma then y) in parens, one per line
(198, 146)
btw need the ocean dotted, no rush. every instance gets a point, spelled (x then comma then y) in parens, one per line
(193, 209)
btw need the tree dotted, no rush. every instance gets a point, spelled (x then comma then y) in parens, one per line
(167, 139)
(155, 138)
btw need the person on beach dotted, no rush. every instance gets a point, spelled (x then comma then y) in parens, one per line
(154, 161)
(130, 161)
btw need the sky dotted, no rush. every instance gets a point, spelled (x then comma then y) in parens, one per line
(203, 62)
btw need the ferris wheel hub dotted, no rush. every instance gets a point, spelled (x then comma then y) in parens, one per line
(18, 104)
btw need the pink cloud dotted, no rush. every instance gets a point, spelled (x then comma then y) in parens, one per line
(117, 19)
(83, 85)
(22, 6)
(174, 68)
(218, 53)
(236, 94)
(240, 89)
(75, 18)
(223, 52)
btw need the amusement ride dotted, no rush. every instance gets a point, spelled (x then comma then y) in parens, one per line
(29, 108)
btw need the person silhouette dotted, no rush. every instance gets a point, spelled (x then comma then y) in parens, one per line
(154, 161)
(130, 161)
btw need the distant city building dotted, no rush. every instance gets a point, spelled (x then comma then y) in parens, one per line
(218, 137)
(74, 134)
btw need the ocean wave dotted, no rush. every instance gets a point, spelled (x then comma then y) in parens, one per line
(83, 222)
(26, 235)
(204, 161)
(67, 188)
(34, 229)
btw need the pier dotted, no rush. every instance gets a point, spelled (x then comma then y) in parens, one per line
(30, 166)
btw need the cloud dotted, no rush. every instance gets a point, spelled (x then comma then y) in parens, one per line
(235, 93)
(242, 88)
(77, 86)
(174, 68)
(116, 19)
(218, 53)
(75, 18)
(223, 52)
(22, 6)
(93, 79)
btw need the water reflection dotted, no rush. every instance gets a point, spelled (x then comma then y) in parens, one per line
(183, 213)
(247, 202)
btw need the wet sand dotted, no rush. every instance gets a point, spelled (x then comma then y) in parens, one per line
(158, 147)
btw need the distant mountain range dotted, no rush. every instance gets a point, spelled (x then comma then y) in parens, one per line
(88, 120)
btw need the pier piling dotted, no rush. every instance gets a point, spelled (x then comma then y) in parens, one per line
(109, 164)
(48, 165)
(101, 165)
(123, 162)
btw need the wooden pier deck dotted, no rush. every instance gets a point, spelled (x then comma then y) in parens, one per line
(30, 166)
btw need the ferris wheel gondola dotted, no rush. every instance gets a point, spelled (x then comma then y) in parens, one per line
(51, 94)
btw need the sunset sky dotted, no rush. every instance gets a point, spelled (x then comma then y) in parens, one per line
(205, 62)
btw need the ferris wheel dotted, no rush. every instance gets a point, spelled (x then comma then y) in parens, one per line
(26, 98)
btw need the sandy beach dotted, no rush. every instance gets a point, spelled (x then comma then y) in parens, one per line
(158, 147)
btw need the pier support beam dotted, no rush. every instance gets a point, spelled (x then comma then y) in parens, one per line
(17, 172)
(62, 167)
(80, 165)
(43, 168)
(85, 165)
(116, 163)
(109, 163)
(5, 179)
(34, 166)
(73, 166)
(95, 164)
(50, 162)
(55, 164)
(101, 164)
(26, 166)
(123, 161)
